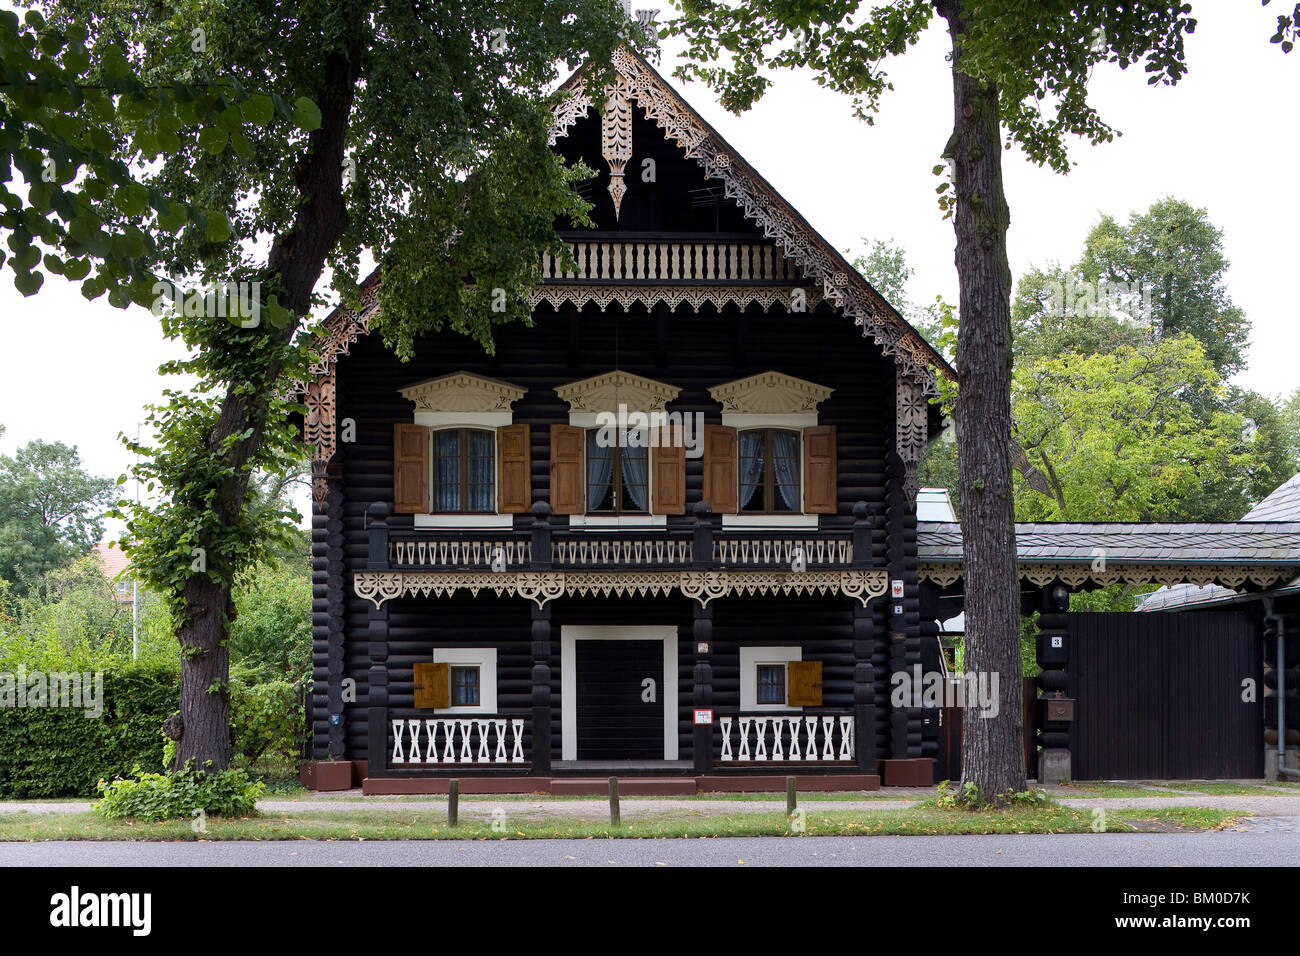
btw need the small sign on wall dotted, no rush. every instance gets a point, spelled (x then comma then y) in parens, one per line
(704, 717)
(896, 588)
(1057, 640)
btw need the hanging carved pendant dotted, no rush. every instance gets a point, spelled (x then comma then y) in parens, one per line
(616, 138)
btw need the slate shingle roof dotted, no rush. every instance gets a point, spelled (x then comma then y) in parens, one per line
(1237, 542)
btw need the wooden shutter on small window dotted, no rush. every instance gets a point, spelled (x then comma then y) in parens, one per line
(803, 683)
(720, 474)
(514, 470)
(432, 685)
(410, 469)
(820, 494)
(668, 473)
(568, 490)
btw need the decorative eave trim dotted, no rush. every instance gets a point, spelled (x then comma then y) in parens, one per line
(770, 393)
(603, 296)
(762, 204)
(543, 586)
(945, 573)
(462, 392)
(606, 392)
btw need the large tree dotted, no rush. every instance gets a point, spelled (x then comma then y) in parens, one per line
(421, 137)
(51, 511)
(1020, 72)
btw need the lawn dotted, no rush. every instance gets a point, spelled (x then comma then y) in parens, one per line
(432, 825)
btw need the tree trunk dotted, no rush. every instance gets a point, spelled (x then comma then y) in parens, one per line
(992, 752)
(298, 259)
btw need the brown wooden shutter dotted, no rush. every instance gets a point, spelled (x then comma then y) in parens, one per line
(432, 685)
(720, 469)
(514, 470)
(568, 490)
(820, 494)
(410, 469)
(668, 473)
(803, 683)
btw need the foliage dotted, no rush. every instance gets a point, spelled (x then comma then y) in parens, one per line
(270, 636)
(1114, 434)
(267, 720)
(179, 794)
(50, 511)
(60, 752)
(1175, 255)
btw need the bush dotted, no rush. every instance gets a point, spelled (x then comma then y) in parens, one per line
(59, 752)
(266, 721)
(179, 794)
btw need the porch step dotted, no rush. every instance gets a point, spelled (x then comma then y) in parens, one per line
(627, 786)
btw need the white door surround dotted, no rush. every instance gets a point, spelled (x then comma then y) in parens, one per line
(571, 633)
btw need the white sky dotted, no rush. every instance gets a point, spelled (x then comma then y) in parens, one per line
(1223, 139)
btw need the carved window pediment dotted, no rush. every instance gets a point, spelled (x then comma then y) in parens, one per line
(462, 392)
(605, 393)
(770, 393)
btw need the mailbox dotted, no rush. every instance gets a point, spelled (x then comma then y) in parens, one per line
(1058, 708)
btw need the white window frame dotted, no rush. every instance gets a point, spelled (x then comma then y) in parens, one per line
(485, 658)
(570, 634)
(441, 421)
(751, 656)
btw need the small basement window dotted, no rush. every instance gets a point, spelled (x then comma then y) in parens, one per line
(771, 684)
(465, 686)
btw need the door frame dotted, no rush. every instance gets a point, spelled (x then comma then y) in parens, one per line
(572, 633)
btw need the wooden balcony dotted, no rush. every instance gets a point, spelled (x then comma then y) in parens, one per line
(706, 259)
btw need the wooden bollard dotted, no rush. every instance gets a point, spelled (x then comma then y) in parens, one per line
(614, 816)
(791, 798)
(453, 802)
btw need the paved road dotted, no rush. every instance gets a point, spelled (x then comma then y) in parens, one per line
(1276, 848)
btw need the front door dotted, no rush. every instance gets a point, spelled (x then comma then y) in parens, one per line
(620, 703)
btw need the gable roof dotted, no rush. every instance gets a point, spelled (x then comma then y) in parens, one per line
(818, 260)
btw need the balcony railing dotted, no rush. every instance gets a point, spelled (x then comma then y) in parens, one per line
(541, 547)
(655, 260)
(781, 738)
(489, 740)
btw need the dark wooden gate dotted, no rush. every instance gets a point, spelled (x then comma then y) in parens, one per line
(947, 764)
(1159, 696)
(614, 722)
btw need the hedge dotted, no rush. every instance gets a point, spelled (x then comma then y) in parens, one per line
(59, 752)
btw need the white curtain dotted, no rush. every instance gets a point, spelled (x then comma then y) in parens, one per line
(751, 465)
(636, 470)
(482, 463)
(600, 470)
(785, 459)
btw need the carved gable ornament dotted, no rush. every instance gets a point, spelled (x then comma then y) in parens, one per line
(462, 392)
(605, 393)
(770, 393)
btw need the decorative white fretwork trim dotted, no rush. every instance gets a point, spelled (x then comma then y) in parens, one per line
(671, 296)
(911, 431)
(462, 392)
(608, 391)
(770, 393)
(543, 586)
(1076, 575)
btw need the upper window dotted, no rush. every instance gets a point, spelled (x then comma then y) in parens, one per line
(464, 466)
(769, 471)
(618, 477)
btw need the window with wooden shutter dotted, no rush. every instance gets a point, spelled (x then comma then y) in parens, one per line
(432, 685)
(567, 484)
(804, 683)
(720, 476)
(819, 470)
(668, 473)
(514, 470)
(410, 469)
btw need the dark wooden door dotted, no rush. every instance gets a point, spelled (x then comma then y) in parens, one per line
(1159, 696)
(615, 721)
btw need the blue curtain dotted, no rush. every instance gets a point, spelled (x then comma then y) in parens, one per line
(482, 462)
(446, 457)
(751, 464)
(785, 458)
(636, 470)
(600, 470)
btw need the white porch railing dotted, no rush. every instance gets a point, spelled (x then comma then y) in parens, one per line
(820, 738)
(457, 740)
